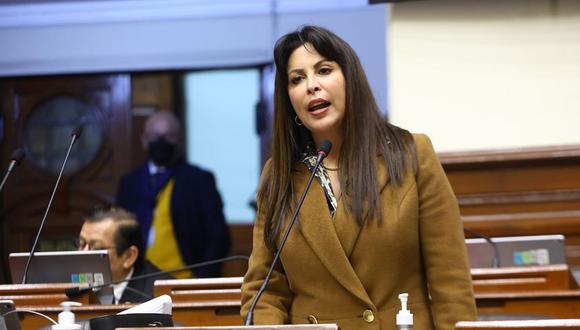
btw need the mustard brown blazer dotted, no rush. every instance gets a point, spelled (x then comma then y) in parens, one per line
(335, 271)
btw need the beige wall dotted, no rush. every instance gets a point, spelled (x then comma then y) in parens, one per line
(486, 74)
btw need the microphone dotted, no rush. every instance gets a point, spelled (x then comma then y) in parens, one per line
(496, 260)
(74, 137)
(15, 159)
(323, 151)
(77, 291)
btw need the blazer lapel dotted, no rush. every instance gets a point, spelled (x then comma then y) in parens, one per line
(318, 230)
(347, 229)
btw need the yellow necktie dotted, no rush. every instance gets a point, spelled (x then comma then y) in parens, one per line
(162, 250)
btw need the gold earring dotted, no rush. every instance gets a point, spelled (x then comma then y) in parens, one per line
(297, 121)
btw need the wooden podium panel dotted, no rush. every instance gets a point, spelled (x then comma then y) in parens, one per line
(183, 313)
(44, 294)
(561, 304)
(200, 289)
(530, 278)
(564, 324)
(186, 314)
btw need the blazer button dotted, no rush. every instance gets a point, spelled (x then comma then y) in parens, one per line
(368, 316)
(312, 319)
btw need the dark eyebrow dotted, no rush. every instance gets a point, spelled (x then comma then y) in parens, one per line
(316, 65)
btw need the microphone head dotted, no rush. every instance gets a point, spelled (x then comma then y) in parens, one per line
(324, 148)
(17, 156)
(77, 131)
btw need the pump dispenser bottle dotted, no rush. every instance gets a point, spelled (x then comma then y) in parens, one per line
(66, 318)
(404, 316)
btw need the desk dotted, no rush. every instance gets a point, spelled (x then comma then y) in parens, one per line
(570, 324)
(541, 304)
(254, 327)
(560, 304)
(43, 294)
(195, 313)
(523, 279)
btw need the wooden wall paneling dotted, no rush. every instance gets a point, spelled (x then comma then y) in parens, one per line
(149, 92)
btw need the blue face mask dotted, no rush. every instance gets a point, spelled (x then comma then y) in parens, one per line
(161, 151)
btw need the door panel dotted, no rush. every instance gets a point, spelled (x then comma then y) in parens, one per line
(26, 194)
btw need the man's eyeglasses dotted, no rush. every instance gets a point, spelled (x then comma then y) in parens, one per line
(84, 245)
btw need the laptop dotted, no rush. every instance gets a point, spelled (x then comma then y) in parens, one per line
(82, 267)
(517, 251)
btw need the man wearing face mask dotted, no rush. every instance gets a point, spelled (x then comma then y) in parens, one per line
(177, 204)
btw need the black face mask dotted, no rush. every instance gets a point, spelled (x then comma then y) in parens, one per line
(161, 152)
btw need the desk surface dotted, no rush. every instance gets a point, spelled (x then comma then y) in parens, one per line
(560, 304)
(567, 324)
(254, 327)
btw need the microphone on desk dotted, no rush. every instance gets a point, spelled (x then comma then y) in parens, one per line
(323, 151)
(496, 260)
(74, 137)
(77, 291)
(15, 159)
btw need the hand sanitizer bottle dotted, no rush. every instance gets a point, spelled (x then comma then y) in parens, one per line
(404, 316)
(66, 318)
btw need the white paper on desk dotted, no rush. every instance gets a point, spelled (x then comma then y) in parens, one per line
(160, 305)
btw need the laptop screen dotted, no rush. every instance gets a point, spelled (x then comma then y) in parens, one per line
(90, 267)
(517, 251)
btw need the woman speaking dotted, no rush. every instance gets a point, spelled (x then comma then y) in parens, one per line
(380, 218)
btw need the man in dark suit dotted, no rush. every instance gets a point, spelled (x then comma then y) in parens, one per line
(177, 204)
(117, 231)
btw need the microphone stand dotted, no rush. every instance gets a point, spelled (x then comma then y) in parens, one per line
(496, 259)
(75, 135)
(325, 150)
(16, 158)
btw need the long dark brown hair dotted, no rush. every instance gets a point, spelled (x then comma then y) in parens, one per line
(366, 136)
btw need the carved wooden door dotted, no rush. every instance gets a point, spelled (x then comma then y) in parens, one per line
(39, 115)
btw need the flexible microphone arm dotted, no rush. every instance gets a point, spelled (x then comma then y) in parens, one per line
(76, 291)
(74, 137)
(323, 151)
(138, 292)
(15, 159)
(496, 260)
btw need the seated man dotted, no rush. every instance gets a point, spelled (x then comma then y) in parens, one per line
(118, 231)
